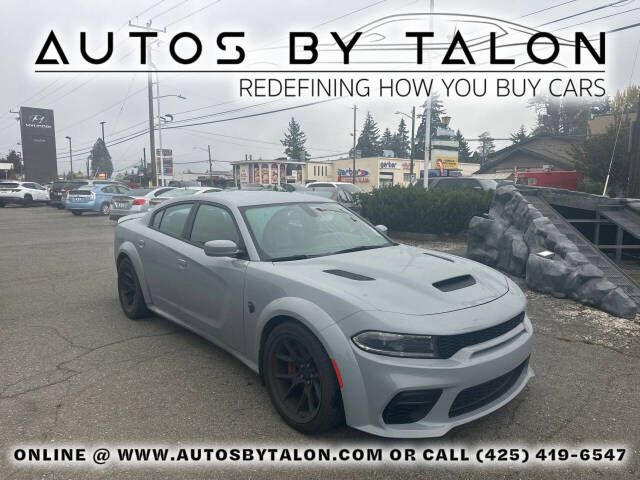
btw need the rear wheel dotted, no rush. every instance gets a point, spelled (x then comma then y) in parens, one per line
(28, 200)
(300, 379)
(129, 291)
(60, 206)
(76, 212)
(105, 208)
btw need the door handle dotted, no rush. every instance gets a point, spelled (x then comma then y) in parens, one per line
(182, 263)
(141, 243)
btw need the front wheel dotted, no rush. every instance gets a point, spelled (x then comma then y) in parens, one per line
(300, 379)
(28, 200)
(105, 208)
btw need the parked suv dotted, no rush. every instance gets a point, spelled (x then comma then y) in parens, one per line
(93, 198)
(22, 193)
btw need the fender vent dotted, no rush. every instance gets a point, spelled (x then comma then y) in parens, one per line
(349, 275)
(455, 283)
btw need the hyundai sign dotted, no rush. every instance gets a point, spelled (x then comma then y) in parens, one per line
(38, 144)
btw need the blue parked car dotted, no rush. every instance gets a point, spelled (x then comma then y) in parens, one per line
(93, 198)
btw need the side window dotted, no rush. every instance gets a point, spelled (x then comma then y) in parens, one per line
(28, 185)
(122, 189)
(213, 223)
(157, 218)
(174, 219)
(109, 189)
(160, 191)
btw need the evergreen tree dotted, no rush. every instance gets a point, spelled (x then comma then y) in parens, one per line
(486, 146)
(369, 140)
(401, 145)
(100, 159)
(464, 151)
(387, 140)
(437, 110)
(15, 158)
(520, 135)
(294, 140)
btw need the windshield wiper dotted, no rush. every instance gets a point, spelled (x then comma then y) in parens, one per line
(358, 249)
(291, 257)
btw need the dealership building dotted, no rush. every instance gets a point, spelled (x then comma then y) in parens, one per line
(372, 172)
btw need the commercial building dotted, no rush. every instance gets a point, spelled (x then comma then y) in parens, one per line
(372, 172)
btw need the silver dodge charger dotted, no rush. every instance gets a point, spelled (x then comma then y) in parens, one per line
(342, 323)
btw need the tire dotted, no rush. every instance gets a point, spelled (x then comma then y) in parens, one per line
(60, 206)
(1, 205)
(76, 212)
(105, 209)
(300, 379)
(129, 291)
(28, 200)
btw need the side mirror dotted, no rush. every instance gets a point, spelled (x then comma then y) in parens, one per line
(221, 248)
(382, 229)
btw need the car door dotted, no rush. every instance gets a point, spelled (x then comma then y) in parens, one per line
(213, 292)
(162, 258)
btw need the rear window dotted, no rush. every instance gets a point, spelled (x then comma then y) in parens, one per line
(349, 187)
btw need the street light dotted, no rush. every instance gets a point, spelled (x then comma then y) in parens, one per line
(413, 123)
(157, 99)
(70, 154)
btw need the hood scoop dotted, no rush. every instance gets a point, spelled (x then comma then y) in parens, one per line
(455, 283)
(349, 275)
(439, 256)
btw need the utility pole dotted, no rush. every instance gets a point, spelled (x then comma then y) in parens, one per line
(633, 183)
(210, 172)
(413, 125)
(159, 130)
(102, 125)
(152, 142)
(354, 144)
(427, 112)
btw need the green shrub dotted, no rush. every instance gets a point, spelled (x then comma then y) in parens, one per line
(591, 187)
(414, 209)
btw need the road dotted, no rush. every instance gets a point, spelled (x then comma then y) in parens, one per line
(75, 371)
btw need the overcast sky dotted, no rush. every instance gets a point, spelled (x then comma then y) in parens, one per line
(81, 101)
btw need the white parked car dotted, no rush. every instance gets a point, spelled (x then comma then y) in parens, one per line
(348, 186)
(22, 193)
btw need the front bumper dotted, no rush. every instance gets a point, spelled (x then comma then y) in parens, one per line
(372, 381)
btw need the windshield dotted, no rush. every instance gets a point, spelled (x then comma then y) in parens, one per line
(350, 187)
(294, 231)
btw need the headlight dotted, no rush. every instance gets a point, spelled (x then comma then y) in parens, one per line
(396, 344)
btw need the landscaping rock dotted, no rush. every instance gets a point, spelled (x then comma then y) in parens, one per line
(516, 232)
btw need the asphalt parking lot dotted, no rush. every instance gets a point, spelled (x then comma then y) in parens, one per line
(75, 370)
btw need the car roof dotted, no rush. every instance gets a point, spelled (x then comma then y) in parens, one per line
(241, 198)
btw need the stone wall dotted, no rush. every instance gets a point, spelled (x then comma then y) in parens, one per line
(515, 232)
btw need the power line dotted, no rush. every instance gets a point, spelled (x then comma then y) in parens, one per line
(545, 9)
(194, 12)
(601, 7)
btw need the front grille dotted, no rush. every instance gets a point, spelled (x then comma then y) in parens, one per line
(448, 345)
(411, 406)
(476, 397)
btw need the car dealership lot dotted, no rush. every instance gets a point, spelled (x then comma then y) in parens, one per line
(75, 370)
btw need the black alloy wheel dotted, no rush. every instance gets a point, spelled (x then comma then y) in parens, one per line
(301, 381)
(105, 208)
(129, 291)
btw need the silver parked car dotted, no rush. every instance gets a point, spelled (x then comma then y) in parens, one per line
(341, 322)
(135, 201)
(181, 192)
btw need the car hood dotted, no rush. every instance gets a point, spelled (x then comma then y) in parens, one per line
(402, 279)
